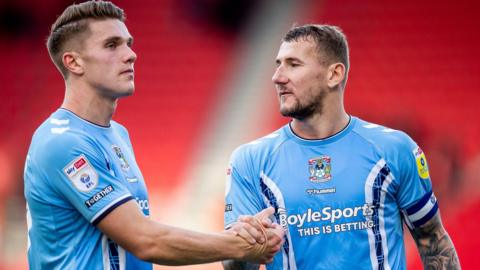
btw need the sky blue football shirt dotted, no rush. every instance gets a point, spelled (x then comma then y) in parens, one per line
(342, 199)
(76, 173)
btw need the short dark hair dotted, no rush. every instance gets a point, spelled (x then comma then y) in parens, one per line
(73, 22)
(330, 40)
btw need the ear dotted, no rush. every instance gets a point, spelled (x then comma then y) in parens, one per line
(73, 62)
(336, 74)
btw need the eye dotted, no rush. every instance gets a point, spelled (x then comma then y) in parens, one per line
(111, 45)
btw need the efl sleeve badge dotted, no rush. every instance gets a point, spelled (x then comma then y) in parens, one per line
(81, 174)
(421, 163)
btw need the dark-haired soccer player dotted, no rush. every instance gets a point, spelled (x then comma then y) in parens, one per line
(342, 187)
(86, 197)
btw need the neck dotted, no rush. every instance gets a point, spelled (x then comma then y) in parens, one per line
(88, 104)
(329, 121)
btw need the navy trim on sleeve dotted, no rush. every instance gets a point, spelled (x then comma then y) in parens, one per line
(110, 209)
(418, 205)
(427, 217)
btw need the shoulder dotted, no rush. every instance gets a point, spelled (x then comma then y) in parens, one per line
(119, 128)
(385, 139)
(55, 145)
(261, 147)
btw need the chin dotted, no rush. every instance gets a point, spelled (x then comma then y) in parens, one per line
(128, 91)
(285, 111)
(124, 93)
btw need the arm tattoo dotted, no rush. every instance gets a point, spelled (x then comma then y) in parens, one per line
(435, 246)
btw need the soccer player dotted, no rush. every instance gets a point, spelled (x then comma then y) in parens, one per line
(342, 187)
(87, 203)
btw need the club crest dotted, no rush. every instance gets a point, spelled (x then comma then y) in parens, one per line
(121, 157)
(320, 169)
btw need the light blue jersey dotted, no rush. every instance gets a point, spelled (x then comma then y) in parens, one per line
(76, 173)
(343, 198)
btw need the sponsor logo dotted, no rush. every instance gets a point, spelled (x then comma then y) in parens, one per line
(421, 162)
(320, 169)
(98, 196)
(328, 220)
(132, 179)
(82, 174)
(314, 191)
(123, 161)
(70, 170)
(328, 214)
(143, 204)
(77, 165)
(228, 207)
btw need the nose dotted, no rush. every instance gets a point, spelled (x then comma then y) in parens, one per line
(131, 56)
(279, 77)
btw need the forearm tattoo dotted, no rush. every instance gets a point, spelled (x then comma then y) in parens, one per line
(435, 246)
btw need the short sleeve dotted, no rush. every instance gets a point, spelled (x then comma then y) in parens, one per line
(415, 196)
(241, 194)
(76, 168)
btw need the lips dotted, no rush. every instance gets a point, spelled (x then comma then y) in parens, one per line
(284, 93)
(130, 70)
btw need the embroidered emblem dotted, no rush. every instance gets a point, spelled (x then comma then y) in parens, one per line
(121, 157)
(320, 169)
(421, 161)
(82, 175)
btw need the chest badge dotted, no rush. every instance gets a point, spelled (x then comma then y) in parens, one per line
(320, 169)
(121, 157)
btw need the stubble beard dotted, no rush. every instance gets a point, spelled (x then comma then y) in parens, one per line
(306, 108)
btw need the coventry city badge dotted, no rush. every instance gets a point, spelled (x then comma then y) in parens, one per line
(121, 157)
(320, 169)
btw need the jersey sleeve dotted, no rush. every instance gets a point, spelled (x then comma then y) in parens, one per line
(415, 195)
(242, 195)
(77, 170)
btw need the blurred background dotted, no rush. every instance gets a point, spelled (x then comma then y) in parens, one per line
(203, 87)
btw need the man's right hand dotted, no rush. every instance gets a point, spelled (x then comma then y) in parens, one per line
(264, 253)
(255, 230)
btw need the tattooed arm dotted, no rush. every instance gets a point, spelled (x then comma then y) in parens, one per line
(435, 246)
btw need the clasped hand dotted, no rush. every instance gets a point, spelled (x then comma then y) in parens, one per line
(264, 236)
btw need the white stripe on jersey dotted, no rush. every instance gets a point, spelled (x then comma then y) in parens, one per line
(388, 180)
(281, 203)
(423, 211)
(105, 254)
(369, 200)
(122, 258)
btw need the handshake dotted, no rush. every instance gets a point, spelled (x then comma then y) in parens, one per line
(258, 239)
